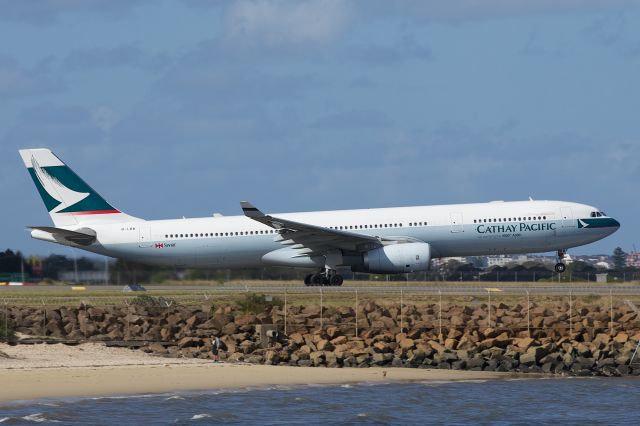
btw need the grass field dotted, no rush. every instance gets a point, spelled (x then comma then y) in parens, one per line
(294, 293)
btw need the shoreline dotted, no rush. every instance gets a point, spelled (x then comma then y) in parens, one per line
(93, 370)
(66, 382)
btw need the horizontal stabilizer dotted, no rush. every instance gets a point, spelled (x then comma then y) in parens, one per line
(83, 236)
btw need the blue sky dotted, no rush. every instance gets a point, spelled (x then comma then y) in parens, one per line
(184, 108)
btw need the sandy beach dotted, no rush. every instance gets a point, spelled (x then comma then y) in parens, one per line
(91, 369)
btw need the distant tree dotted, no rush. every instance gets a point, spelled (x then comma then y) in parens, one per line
(53, 264)
(10, 262)
(619, 258)
(478, 261)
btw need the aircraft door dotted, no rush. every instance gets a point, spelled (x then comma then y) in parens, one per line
(456, 222)
(566, 214)
(145, 236)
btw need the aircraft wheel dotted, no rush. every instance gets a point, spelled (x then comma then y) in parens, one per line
(317, 279)
(307, 279)
(336, 280)
(560, 267)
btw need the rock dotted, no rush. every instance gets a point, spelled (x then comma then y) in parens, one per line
(450, 343)
(271, 358)
(459, 365)
(486, 344)
(254, 359)
(475, 362)
(247, 346)
(622, 370)
(605, 362)
(340, 340)
(407, 343)
(317, 358)
(332, 332)
(324, 345)
(190, 342)
(623, 360)
(436, 346)
(331, 360)
(583, 350)
(381, 347)
(533, 355)
(621, 337)
(229, 328)
(156, 348)
(523, 343)
(296, 338)
(584, 363)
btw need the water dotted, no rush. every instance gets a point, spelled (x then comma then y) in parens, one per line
(529, 401)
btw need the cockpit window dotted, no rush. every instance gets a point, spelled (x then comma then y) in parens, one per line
(593, 214)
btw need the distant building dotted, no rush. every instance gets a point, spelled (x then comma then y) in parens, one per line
(440, 261)
(504, 260)
(633, 260)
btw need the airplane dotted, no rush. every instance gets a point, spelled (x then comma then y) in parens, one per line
(376, 241)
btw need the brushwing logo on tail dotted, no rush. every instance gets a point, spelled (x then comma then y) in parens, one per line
(66, 197)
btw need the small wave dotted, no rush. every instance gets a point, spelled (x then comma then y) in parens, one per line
(4, 419)
(346, 386)
(200, 416)
(177, 397)
(150, 395)
(363, 415)
(38, 418)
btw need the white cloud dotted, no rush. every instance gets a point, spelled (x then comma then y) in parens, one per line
(467, 10)
(278, 22)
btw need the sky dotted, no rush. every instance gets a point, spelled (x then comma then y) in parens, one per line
(184, 108)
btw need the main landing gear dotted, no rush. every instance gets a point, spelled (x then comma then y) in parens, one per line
(326, 278)
(560, 266)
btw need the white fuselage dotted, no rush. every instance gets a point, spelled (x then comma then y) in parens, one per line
(451, 230)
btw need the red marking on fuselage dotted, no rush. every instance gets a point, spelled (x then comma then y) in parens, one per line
(94, 212)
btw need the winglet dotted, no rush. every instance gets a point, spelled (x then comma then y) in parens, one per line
(250, 210)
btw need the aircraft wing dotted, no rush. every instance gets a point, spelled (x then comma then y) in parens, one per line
(312, 239)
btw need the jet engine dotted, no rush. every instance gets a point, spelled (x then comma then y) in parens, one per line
(397, 258)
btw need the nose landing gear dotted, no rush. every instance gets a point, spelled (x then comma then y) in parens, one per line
(560, 266)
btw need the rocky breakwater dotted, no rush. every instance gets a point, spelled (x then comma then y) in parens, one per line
(543, 339)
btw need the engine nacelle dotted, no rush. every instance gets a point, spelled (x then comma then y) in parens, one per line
(398, 258)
